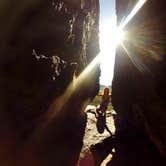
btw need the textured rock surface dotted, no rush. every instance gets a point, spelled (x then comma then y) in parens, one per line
(41, 43)
(139, 93)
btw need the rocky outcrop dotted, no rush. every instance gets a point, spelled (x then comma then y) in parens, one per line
(44, 44)
(138, 90)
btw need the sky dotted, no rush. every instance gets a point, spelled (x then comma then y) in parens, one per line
(107, 9)
(107, 43)
(110, 36)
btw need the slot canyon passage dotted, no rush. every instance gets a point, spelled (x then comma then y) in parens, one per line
(46, 83)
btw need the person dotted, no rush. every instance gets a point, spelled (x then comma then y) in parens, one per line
(104, 101)
(101, 111)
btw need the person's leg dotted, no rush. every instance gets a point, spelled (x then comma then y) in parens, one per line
(106, 127)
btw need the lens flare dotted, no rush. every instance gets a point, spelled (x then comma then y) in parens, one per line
(135, 10)
(110, 37)
(120, 36)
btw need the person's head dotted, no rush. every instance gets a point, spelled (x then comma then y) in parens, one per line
(106, 91)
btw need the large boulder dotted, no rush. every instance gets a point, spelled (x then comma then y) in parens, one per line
(44, 44)
(138, 90)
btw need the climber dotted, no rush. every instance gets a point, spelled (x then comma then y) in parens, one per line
(104, 101)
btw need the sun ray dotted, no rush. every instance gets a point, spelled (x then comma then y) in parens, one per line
(135, 59)
(110, 37)
(137, 7)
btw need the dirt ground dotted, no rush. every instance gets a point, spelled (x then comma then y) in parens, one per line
(93, 136)
(131, 149)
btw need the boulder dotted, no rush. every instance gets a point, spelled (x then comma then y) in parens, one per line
(138, 90)
(45, 44)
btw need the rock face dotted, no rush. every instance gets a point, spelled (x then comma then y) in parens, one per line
(138, 90)
(44, 44)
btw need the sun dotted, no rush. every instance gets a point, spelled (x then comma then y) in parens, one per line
(110, 33)
(110, 36)
(120, 36)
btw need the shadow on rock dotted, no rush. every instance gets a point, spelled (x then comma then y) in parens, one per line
(101, 122)
(129, 150)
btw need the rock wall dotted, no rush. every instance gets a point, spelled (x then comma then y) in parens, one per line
(138, 90)
(44, 44)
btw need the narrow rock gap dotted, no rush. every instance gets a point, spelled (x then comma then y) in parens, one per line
(107, 40)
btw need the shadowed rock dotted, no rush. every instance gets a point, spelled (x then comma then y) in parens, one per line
(138, 94)
(41, 42)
